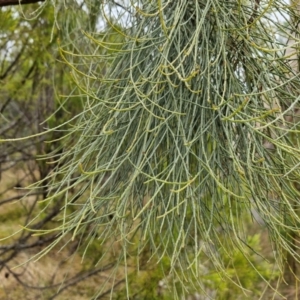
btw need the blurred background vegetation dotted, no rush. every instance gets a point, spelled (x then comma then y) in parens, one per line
(52, 59)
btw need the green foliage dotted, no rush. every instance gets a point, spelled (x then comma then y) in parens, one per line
(247, 273)
(240, 270)
(13, 215)
(188, 125)
(184, 132)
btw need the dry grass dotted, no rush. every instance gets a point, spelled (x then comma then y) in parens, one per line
(21, 280)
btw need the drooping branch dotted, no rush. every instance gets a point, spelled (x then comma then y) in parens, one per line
(18, 2)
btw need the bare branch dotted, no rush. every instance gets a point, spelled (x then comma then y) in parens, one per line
(18, 2)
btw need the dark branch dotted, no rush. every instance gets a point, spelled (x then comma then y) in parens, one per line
(18, 2)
